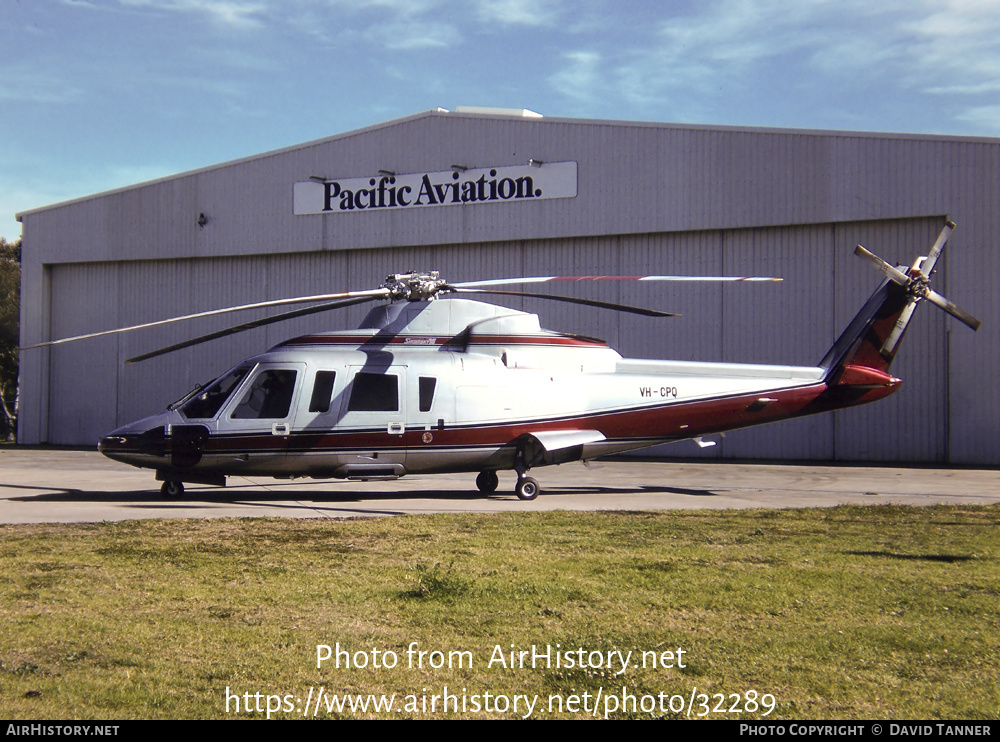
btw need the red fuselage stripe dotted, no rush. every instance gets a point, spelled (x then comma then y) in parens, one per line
(427, 341)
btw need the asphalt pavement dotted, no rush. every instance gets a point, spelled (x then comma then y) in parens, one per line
(52, 485)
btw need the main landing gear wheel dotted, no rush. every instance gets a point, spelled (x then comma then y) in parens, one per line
(487, 481)
(527, 488)
(172, 490)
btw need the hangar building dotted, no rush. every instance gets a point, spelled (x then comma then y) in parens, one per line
(480, 193)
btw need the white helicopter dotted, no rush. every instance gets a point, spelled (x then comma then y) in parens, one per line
(432, 385)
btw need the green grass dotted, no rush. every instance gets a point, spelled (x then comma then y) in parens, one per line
(851, 612)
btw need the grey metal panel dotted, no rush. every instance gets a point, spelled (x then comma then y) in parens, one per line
(148, 291)
(697, 334)
(787, 323)
(33, 372)
(911, 425)
(82, 376)
(973, 264)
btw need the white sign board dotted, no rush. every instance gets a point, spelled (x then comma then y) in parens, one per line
(446, 188)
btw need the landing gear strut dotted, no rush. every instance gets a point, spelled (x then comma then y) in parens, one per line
(526, 487)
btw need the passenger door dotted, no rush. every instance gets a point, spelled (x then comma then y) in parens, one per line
(375, 402)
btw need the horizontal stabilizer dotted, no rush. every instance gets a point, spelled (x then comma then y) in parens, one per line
(862, 376)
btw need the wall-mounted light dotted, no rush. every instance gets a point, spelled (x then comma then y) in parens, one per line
(202, 220)
(387, 173)
(459, 168)
(317, 178)
(535, 163)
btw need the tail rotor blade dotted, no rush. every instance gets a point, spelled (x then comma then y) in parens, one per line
(889, 346)
(917, 285)
(958, 313)
(932, 257)
(883, 267)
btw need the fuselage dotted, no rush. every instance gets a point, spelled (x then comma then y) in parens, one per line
(455, 385)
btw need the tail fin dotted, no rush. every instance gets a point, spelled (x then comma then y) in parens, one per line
(863, 353)
(861, 343)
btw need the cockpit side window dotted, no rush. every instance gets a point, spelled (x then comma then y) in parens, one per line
(269, 396)
(208, 403)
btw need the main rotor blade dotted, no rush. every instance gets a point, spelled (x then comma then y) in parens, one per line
(573, 300)
(546, 279)
(372, 293)
(251, 325)
(960, 314)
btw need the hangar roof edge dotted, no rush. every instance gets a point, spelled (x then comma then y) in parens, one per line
(498, 115)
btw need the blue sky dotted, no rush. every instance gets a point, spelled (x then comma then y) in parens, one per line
(97, 94)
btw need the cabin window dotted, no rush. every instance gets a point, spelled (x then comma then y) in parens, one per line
(374, 393)
(427, 385)
(269, 396)
(322, 391)
(208, 403)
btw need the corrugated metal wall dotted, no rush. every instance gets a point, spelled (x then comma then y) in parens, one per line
(652, 199)
(793, 322)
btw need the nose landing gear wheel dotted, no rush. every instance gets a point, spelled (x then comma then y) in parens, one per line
(527, 488)
(172, 490)
(487, 482)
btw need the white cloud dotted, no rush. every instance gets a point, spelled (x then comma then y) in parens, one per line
(984, 118)
(900, 47)
(23, 84)
(955, 49)
(518, 12)
(582, 78)
(230, 13)
(410, 33)
(391, 24)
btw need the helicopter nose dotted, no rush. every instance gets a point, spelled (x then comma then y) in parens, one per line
(138, 449)
(116, 447)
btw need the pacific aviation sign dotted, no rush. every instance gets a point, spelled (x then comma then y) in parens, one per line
(446, 188)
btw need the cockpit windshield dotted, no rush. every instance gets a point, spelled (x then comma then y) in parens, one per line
(207, 403)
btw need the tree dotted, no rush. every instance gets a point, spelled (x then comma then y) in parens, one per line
(10, 309)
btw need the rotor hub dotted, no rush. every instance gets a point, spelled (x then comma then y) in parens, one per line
(414, 286)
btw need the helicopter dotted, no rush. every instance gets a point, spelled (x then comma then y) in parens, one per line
(432, 382)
